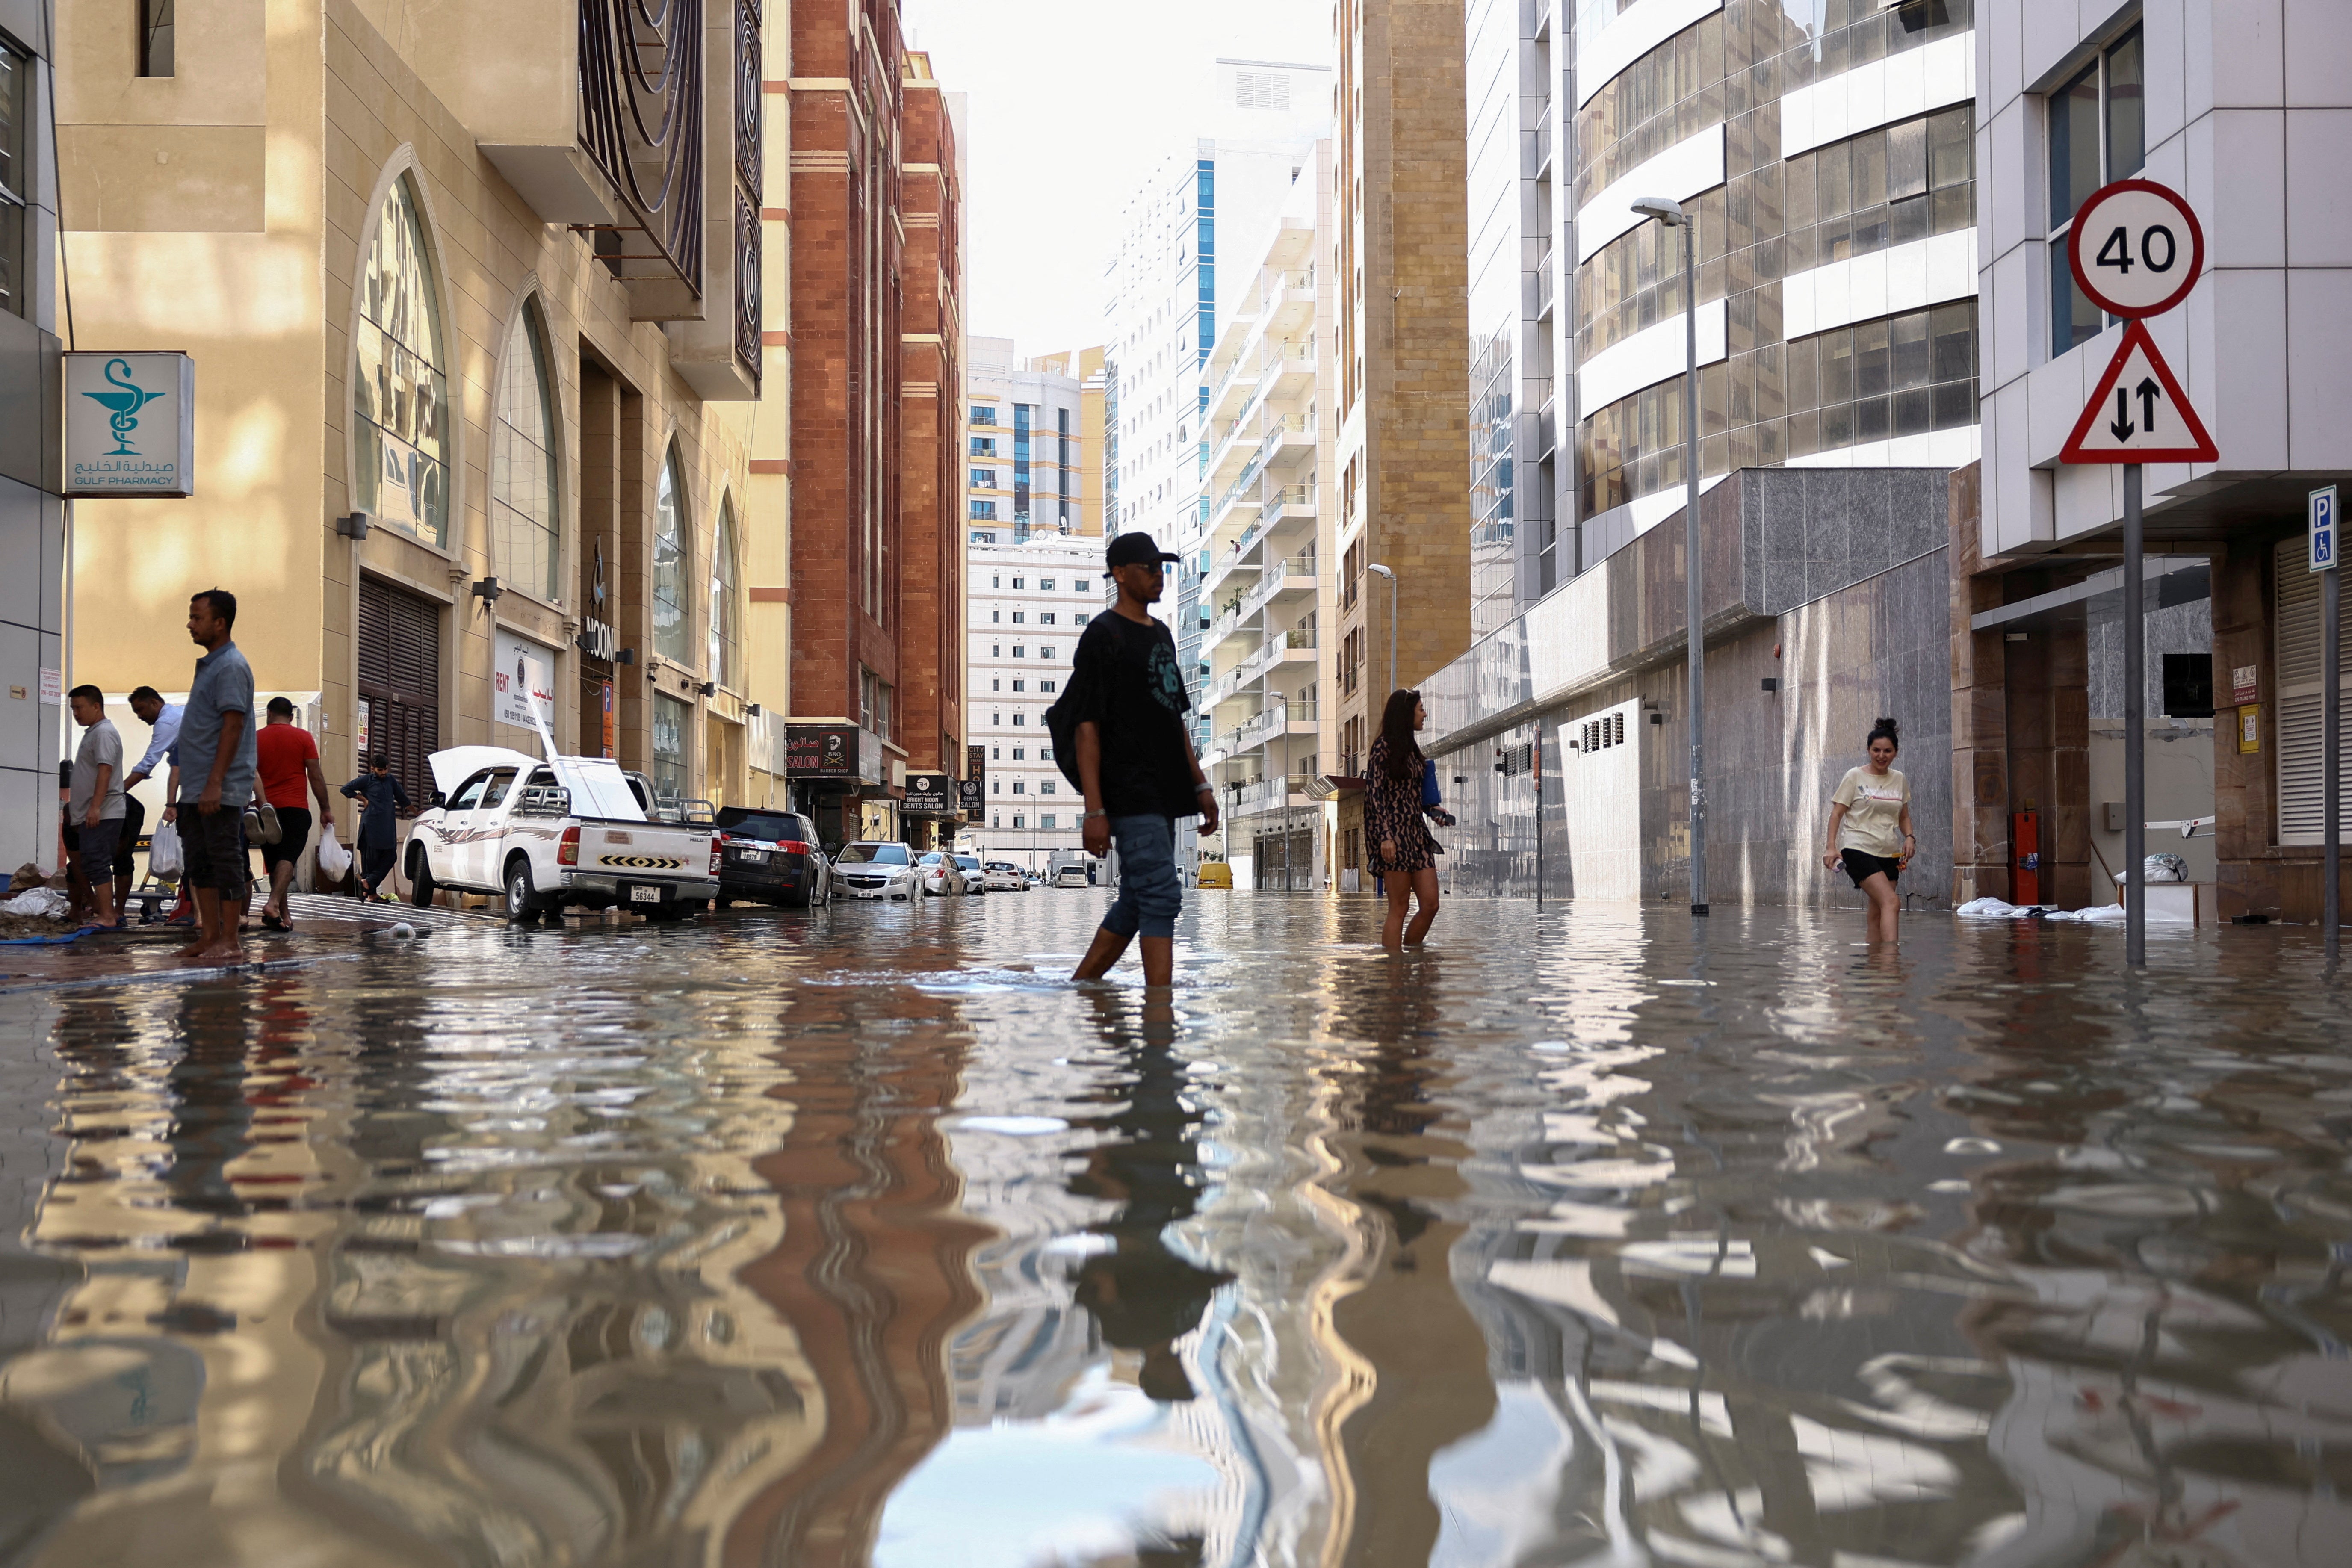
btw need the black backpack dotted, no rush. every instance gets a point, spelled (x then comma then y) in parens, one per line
(1062, 725)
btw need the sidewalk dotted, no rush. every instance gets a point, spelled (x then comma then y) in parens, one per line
(325, 927)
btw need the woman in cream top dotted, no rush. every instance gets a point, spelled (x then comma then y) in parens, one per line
(1869, 830)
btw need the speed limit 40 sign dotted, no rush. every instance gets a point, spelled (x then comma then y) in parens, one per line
(2137, 249)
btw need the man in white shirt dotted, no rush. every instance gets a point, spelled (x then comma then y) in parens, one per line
(163, 721)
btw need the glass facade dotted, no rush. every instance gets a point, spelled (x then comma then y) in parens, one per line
(670, 717)
(672, 616)
(16, 170)
(524, 549)
(399, 393)
(2098, 132)
(1772, 400)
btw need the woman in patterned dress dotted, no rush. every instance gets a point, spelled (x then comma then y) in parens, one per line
(1403, 852)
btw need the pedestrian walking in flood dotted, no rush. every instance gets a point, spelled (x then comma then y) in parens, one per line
(1869, 830)
(94, 802)
(383, 802)
(1120, 736)
(163, 721)
(216, 765)
(290, 780)
(1404, 855)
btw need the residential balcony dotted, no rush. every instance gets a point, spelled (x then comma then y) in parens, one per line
(1271, 794)
(1296, 646)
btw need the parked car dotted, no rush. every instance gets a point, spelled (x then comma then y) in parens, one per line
(543, 836)
(1071, 877)
(1215, 874)
(976, 876)
(871, 869)
(772, 858)
(939, 875)
(1005, 877)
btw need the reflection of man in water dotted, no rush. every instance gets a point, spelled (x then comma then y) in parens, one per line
(1144, 1294)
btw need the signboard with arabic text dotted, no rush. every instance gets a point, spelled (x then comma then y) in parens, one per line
(130, 425)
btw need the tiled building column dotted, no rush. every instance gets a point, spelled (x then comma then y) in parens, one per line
(1980, 846)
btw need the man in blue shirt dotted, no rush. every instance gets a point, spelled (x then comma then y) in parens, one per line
(218, 760)
(163, 721)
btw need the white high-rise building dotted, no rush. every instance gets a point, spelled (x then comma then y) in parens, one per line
(1029, 603)
(1258, 141)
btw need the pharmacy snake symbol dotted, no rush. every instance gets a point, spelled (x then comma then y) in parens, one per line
(126, 405)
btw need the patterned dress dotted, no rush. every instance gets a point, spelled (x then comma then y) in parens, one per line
(1392, 810)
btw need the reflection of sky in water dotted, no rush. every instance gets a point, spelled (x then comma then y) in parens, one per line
(1496, 1488)
(1090, 1481)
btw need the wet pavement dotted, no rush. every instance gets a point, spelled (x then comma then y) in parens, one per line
(861, 1237)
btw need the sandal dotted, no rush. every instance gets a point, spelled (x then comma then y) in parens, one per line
(275, 922)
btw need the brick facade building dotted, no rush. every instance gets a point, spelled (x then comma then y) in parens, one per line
(873, 321)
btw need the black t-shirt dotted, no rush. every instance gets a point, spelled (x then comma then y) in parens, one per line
(1124, 679)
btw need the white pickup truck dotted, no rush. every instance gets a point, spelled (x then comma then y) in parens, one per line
(542, 834)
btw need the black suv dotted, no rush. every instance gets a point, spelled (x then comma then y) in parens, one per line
(774, 857)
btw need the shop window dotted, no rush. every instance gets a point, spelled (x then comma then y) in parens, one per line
(2189, 684)
(524, 523)
(399, 393)
(669, 771)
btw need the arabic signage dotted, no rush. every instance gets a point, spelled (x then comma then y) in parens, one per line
(832, 752)
(972, 792)
(525, 670)
(929, 795)
(130, 425)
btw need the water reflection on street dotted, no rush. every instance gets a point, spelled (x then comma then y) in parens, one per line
(864, 1238)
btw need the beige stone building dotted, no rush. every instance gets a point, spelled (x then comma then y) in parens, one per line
(436, 267)
(1401, 260)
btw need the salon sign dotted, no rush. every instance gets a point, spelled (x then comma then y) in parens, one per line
(131, 424)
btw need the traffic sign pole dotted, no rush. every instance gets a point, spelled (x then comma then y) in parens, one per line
(2135, 730)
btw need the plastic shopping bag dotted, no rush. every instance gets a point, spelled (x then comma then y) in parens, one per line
(334, 860)
(163, 859)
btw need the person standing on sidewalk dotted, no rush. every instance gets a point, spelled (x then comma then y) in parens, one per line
(1870, 830)
(94, 801)
(288, 758)
(1403, 853)
(381, 800)
(1126, 704)
(217, 766)
(163, 721)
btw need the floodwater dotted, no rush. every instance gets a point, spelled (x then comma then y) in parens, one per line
(861, 1237)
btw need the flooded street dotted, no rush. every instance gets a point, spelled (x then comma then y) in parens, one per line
(862, 1236)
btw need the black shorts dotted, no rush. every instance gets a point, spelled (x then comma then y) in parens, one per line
(134, 823)
(213, 845)
(293, 837)
(1862, 868)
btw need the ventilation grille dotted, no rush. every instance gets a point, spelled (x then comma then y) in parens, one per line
(2298, 716)
(1261, 89)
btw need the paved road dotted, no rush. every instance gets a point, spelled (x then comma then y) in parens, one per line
(861, 1237)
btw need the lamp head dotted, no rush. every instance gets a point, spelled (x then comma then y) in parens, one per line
(1669, 213)
(1376, 566)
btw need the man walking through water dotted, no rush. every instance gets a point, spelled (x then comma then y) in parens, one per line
(1124, 719)
(217, 761)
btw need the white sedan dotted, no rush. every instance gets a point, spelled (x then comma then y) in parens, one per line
(868, 869)
(938, 874)
(1005, 877)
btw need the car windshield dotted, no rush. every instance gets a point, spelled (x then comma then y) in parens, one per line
(969, 862)
(875, 855)
(752, 825)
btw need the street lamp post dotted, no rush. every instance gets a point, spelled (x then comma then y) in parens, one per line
(1393, 607)
(1671, 215)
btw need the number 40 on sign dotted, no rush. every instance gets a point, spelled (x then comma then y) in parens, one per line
(2137, 250)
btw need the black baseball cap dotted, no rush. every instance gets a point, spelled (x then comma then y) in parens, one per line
(1135, 550)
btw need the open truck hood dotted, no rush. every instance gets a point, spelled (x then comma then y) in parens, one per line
(598, 786)
(458, 764)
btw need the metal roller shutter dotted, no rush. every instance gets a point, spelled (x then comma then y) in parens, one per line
(399, 680)
(2302, 777)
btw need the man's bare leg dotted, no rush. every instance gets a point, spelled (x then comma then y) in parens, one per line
(207, 922)
(1159, 961)
(281, 884)
(1109, 948)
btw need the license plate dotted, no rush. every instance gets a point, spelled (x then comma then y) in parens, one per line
(645, 895)
(752, 856)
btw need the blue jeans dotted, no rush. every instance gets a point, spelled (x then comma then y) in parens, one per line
(1149, 892)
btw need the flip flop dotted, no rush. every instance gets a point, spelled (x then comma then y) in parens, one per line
(274, 922)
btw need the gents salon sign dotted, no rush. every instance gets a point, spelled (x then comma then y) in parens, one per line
(130, 425)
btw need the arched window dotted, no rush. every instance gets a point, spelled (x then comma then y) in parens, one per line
(400, 396)
(673, 611)
(726, 631)
(523, 537)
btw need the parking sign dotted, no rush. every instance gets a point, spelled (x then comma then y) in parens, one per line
(2321, 533)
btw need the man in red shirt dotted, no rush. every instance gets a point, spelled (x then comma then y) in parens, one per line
(288, 758)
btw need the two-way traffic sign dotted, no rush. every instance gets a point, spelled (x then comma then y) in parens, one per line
(2139, 414)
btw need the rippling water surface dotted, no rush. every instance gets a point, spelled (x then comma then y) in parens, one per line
(862, 1237)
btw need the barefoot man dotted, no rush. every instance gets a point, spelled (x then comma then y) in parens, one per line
(217, 761)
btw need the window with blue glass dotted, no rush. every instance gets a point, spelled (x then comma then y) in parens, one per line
(1021, 413)
(1205, 253)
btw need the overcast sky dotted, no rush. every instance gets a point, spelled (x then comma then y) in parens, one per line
(1072, 102)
